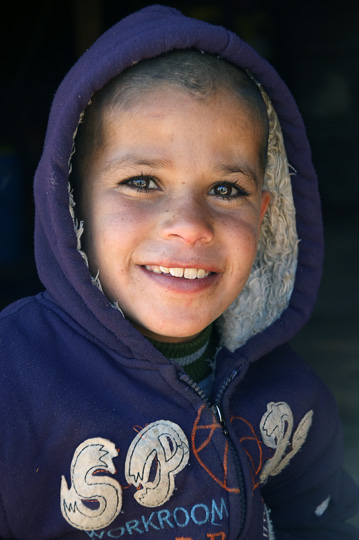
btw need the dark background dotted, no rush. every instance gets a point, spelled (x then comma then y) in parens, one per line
(315, 48)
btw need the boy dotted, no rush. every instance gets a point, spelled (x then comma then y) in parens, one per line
(149, 390)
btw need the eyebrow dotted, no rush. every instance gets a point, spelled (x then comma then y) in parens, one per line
(135, 160)
(239, 168)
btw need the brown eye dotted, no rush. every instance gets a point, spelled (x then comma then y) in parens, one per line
(140, 182)
(228, 191)
(223, 190)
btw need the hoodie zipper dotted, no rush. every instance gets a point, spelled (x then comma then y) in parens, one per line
(217, 411)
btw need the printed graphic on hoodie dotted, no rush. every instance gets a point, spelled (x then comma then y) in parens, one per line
(162, 441)
(276, 430)
(94, 500)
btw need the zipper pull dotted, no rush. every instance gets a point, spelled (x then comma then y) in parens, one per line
(217, 411)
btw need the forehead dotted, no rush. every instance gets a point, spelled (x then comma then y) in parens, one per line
(131, 89)
(166, 100)
(170, 128)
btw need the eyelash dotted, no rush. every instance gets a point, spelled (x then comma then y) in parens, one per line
(147, 179)
(240, 192)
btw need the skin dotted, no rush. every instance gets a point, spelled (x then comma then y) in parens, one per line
(177, 183)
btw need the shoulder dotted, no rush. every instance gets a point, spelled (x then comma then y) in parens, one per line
(22, 310)
(15, 307)
(22, 336)
(31, 329)
(17, 320)
(294, 419)
(286, 387)
(284, 376)
(296, 445)
(23, 322)
(34, 319)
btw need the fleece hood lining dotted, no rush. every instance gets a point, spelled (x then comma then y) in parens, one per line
(269, 287)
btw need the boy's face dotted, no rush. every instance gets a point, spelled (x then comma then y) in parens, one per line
(174, 191)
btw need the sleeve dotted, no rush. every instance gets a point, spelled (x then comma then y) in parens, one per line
(302, 518)
(4, 526)
(312, 497)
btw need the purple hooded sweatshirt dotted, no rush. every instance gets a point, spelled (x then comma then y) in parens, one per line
(104, 437)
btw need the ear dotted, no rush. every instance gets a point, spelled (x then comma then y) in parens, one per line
(265, 200)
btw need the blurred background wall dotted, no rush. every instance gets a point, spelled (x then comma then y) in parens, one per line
(315, 48)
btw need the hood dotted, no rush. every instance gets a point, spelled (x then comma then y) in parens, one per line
(283, 285)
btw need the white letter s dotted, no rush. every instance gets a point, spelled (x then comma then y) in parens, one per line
(91, 456)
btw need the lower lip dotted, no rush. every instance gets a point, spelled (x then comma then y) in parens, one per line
(182, 285)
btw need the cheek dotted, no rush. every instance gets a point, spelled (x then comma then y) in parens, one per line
(241, 240)
(240, 230)
(113, 220)
(114, 232)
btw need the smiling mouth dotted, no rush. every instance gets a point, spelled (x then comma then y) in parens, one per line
(187, 273)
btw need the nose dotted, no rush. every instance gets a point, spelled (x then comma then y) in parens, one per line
(188, 220)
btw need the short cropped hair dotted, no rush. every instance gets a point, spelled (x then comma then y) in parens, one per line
(202, 75)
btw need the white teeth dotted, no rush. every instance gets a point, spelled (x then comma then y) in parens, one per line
(188, 273)
(176, 272)
(202, 273)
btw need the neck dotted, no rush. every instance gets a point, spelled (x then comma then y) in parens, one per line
(194, 356)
